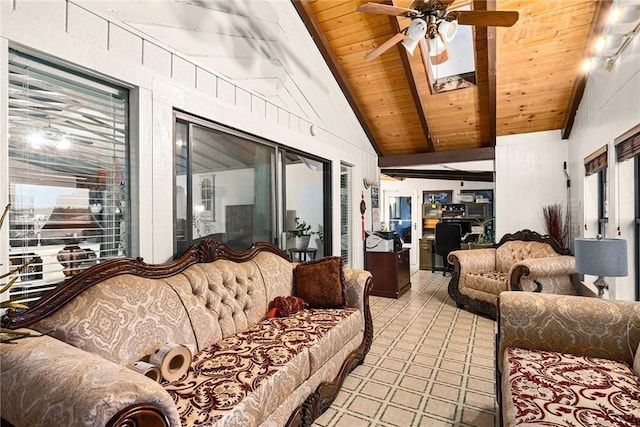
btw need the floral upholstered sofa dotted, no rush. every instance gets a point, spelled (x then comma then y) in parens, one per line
(568, 361)
(522, 261)
(247, 369)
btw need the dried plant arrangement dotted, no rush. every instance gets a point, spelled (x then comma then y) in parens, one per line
(557, 223)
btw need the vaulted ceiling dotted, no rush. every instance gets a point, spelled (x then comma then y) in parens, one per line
(528, 77)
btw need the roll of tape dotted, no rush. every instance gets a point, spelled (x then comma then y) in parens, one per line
(173, 361)
(148, 370)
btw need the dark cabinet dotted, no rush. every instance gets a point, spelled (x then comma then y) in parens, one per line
(390, 270)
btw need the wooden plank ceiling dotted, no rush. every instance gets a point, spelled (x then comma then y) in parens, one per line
(528, 77)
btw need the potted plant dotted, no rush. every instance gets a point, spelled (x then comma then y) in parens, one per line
(486, 237)
(298, 238)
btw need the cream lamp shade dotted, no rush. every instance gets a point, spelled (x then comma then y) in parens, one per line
(416, 31)
(448, 29)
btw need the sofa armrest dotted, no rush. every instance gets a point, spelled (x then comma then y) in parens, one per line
(47, 382)
(568, 324)
(475, 260)
(355, 283)
(536, 268)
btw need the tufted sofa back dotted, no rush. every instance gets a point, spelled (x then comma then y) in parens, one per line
(516, 250)
(127, 317)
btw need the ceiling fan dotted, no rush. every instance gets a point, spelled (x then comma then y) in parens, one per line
(433, 23)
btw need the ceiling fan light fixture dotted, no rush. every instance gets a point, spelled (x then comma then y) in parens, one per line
(416, 32)
(448, 29)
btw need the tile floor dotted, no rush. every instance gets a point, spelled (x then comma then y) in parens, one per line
(430, 365)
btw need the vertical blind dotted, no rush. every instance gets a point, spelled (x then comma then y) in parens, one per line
(68, 177)
(345, 215)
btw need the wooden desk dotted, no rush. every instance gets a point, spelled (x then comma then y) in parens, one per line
(303, 254)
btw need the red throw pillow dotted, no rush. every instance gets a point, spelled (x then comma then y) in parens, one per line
(320, 283)
(286, 306)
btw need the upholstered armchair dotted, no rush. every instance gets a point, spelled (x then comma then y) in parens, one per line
(522, 261)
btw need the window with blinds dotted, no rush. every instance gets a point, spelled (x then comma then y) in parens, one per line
(68, 176)
(596, 161)
(346, 223)
(628, 145)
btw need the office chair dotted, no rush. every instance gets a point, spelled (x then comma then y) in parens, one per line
(447, 240)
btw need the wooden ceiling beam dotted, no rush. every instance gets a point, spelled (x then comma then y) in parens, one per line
(597, 25)
(438, 157)
(491, 75)
(313, 26)
(411, 81)
(450, 175)
(488, 35)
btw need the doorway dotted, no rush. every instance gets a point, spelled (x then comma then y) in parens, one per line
(401, 215)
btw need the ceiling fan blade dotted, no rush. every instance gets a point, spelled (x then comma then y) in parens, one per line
(385, 46)
(487, 18)
(384, 9)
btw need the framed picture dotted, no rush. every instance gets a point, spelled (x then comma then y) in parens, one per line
(374, 197)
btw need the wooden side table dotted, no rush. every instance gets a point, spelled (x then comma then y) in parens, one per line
(303, 254)
(390, 270)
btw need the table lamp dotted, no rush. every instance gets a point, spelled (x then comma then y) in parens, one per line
(601, 257)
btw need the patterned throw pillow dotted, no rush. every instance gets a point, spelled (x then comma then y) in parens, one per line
(286, 306)
(320, 283)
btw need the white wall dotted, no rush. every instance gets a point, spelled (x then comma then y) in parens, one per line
(610, 107)
(163, 80)
(529, 175)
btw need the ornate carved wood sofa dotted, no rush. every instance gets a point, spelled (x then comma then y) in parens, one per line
(567, 361)
(522, 261)
(247, 370)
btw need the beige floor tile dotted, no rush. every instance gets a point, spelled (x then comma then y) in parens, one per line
(419, 371)
(375, 389)
(385, 376)
(393, 364)
(414, 383)
(441, 408)
(429, 421)
(449, 378)
(482, 372)
(445, 391)
(407, 398)
(473, 417)
(365, 406)
(348, 420)
(483, 386)
(478, 400)
(398, 416)
(430, 365)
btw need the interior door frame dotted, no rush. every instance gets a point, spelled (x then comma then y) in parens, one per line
(416, 204)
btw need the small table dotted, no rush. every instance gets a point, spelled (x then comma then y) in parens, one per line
(303, 254)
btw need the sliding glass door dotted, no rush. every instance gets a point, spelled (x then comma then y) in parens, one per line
(238, 189)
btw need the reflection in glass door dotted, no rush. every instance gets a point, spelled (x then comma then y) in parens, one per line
(402, 216)
(305, 216)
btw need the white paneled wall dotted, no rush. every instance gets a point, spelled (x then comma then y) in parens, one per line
(610, 107)
(529, 175)
(162, 80)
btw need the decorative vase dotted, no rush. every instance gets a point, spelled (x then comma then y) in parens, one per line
(301, 242)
